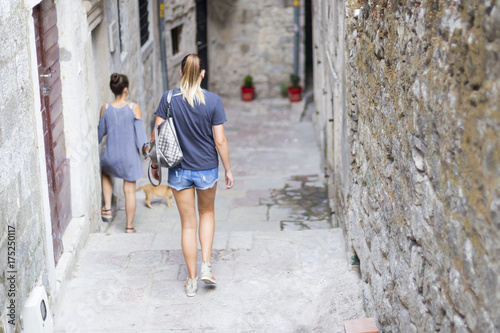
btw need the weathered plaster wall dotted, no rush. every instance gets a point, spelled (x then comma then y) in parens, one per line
(86, 63)
(142, 64)
(21, 203)
(252, 37)
(80, 123)
(179, 13)
(329, 100)
(422, 207)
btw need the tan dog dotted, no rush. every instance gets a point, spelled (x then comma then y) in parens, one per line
(160, 191)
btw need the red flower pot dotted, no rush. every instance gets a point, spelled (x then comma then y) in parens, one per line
(295, 94)
(247, 94)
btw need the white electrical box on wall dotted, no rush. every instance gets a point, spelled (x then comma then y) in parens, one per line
(36, 315)
(113, 36)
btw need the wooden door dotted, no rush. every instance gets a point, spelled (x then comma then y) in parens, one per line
(202, 36)
(58, 177)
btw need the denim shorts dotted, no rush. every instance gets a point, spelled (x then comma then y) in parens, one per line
(181, 179)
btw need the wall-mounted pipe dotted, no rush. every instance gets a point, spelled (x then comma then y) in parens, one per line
(296, 38)
(161, 28)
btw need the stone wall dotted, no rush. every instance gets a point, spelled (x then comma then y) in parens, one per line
(329, 99)
(86, 62)
(21, 203)
(142, 65)
(421, 200)
(179, 13)
(252, 37)
(78, 95)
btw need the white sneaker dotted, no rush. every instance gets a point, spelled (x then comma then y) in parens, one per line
(206, 274)
(191, 286)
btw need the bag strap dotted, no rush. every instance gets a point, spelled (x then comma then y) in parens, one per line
(149, 174)
(169, 98)
(158, 155)
(158, 159)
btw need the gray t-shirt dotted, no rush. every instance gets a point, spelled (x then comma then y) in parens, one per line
(194, 128)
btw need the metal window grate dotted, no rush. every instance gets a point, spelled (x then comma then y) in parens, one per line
(144, 21)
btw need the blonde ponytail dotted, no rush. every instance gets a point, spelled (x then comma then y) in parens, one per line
(191, 80)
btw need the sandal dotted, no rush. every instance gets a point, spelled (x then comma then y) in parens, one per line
(106, 214)
(130, 230)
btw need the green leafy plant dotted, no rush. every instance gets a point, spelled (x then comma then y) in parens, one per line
(284, 90)
(248, 81)
(295, 80)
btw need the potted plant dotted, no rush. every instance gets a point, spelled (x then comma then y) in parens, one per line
(295, 90)
(284, 90)
(247, 90)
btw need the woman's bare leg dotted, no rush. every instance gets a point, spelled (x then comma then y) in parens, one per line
(130, 202)
(107, 190)
(186, 206)
(206, 199)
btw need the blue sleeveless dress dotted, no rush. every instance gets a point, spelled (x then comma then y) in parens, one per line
(126, 136)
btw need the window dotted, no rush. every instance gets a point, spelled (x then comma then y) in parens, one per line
(144, 21)
(176, 39)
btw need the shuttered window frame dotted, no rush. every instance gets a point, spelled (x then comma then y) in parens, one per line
(144, 29)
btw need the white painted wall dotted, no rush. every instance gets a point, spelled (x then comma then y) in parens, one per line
(80, 119)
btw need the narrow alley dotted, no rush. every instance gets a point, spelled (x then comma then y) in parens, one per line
(376, 195)
(281, 266)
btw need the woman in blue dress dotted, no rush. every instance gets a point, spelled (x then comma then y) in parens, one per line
(199, 119)
(122, 122)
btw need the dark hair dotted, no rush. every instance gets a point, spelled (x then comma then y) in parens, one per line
(117, 83)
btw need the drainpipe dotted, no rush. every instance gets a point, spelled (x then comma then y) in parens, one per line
(296, 38)
(161, 27)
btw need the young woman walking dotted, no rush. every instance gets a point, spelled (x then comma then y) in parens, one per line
(122, 122)
(199, 121)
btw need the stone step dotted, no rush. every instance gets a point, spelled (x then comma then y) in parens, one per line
(267, 281)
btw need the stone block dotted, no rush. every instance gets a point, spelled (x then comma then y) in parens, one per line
(166, 273)
(470, 259)
(240, 240)
(248, 214)
(417, 265)
(379, 262)
(404, 321)
(460, 325)
(166, 241)
(220, 240)
(462, 299)
(485, 323)
(429, 325)
(446, 326)
(109, 264)
(145, 258)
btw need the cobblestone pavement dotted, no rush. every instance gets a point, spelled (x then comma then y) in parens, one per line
(281, 267)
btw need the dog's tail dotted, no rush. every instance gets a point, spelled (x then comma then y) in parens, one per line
(140, 188)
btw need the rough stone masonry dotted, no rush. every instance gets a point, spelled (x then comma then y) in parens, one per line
(255, 38)
(22, 228)
(422, 210)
